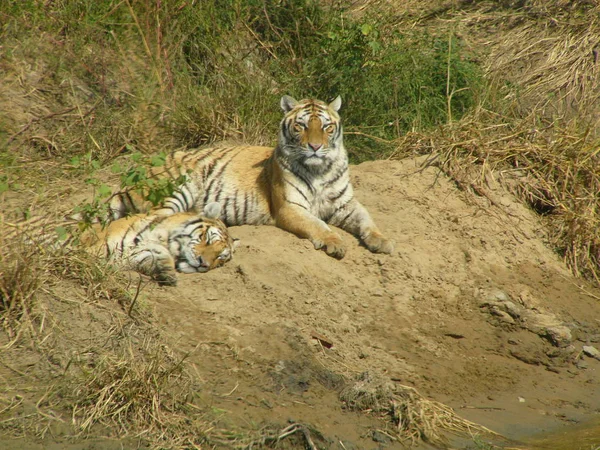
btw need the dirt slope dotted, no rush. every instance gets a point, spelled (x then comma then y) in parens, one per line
(472, 309)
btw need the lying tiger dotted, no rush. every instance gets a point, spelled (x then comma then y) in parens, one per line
(301, 186)
(154, 245)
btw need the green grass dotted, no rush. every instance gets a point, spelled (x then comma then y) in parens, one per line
(146, 76)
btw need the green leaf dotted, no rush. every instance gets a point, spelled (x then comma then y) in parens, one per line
(61, 232)
(4, 187)
(157, 160)
(366, 28)
(104, 191)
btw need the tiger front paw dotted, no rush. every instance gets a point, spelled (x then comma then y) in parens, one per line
(166, 278)
(332, 245)
(378, 244)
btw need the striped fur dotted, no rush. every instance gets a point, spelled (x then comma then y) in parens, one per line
(155, 245)
(302, 185)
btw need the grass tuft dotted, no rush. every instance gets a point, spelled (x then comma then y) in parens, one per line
(414, 417)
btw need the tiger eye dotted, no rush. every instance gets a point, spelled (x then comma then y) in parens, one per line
(329, 128)
(298, 127)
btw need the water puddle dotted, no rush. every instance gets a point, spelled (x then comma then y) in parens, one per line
(584, 436)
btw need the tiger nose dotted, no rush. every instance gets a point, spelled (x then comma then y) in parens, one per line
(203, 262)
(315, 147)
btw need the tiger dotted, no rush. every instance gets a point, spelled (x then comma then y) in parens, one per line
(301, 186)
(156, 245)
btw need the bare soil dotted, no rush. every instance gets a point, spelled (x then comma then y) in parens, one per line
(415, 316)
(473, 309)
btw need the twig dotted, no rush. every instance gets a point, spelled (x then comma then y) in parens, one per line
(137, 293)
(38, 119)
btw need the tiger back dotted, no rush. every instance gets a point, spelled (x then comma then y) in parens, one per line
(302, 185)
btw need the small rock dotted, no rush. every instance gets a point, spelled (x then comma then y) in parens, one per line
(594, 338)
(513, 341)
(503, 316)
(521, 400)
(380, 437)
(581, 365)
(558, 335)
(524, 357)
(512, 309)
(497, 296)
(591, 351)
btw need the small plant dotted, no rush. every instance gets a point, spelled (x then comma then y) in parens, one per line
(136, 178)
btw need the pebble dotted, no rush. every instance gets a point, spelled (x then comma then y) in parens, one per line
(498, 295)
(558, 335)
(591, 351)
(504, 317)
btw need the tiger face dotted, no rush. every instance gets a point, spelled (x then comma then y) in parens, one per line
(311, 132)
(202, 244)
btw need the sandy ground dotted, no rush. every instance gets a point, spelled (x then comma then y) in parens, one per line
(472, 309)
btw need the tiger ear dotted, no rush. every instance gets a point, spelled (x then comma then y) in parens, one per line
(288, 103)
(336, 104)
(212, 210)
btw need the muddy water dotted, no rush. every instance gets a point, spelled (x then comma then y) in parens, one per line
(578, 437)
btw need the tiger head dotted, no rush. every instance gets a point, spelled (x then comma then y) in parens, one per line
(311, 132)
(203, 243)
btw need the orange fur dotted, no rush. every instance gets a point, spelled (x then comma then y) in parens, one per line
(302, 185)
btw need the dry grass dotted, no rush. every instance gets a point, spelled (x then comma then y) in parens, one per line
(414, 417)
(136, 386)
(21, 274)
(538, 132)
(554, 171)
(83, 354)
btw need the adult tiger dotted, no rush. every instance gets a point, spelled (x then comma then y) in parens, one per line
(300, 186)
(152, 244)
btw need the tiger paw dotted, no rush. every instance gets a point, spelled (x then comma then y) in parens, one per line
(378, 244)
(166, 279)
(332, 245)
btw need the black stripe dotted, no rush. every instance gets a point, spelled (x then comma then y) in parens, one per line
(299, 191)
(297, 204)
(306, 181)
(183, 198)
(121, 245)
(343, 221)
(235, 206)
(217, 176)
(337, 176)
(225, 214)
(128, 202)
(194, 222)
(174, 204)
(245, 215)
(339, 194)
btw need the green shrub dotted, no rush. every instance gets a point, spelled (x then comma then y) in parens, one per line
(150, 75)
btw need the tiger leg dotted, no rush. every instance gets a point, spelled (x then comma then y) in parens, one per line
(126, 203)
(156, 261)
(355, 219)
(302, 223)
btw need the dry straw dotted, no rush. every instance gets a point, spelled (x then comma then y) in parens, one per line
(542, 138)
(414, 417)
